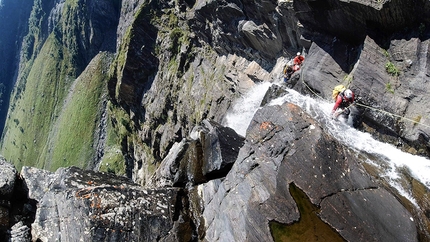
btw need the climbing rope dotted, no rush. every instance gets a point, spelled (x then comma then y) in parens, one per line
(365, 106)
(392, 114)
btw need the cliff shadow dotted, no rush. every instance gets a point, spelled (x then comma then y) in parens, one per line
(22, 212)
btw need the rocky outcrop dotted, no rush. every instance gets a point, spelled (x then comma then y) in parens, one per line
(7, 185)
(16, 210)
(354, 20)
(179, 63)
(138, 63)
(7, 180)
(392, 101)
(255, 31)
(75, 204)
(380, 50)
(284, 163)
(208, 154)
(292, 148)
(160, 89)
(227, 46)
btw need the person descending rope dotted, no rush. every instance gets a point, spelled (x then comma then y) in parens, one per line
(298, 61)
(344, 99)
(288, 71)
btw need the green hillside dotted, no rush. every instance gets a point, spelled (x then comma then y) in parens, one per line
(72, 136)
(53, 113)
(34, 109)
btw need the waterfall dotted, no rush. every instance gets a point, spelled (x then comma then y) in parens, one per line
(245, 107)
(391, 160)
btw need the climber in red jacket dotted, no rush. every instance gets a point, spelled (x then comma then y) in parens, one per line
(343, 101)
(297, 61)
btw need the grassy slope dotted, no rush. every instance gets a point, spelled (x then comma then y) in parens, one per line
(72, 137)
(31, 117)
(38, 132)
(117, 130)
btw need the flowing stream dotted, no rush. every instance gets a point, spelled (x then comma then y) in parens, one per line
(391, 160)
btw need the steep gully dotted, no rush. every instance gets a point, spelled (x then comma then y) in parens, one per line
(394, 161)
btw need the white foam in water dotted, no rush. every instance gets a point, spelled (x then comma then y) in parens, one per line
(396, 160)
(244, 108)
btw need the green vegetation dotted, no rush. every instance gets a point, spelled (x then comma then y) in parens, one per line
(389, 88)
(309, 227)
(44, 129)
(389, 66)
(176, 38)
(36, 107)
(119, 130)
(113, 161)
(72, 138)
(386, 54)
(392, 69)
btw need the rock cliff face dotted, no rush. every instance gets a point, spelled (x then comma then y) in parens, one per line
(286, 153)
(354, 20)
(161, 105)
(390, 80)
(331, 57)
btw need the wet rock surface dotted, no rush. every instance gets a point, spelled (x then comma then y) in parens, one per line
(283, 146)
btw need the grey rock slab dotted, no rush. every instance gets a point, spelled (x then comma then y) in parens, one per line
(285, 145)
(369, 215)
(8, 175)
(79, 205)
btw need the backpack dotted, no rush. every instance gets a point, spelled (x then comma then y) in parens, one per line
(285, 69)
(338, 89)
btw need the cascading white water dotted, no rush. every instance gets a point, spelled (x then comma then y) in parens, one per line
(394, 160)
(244, 108)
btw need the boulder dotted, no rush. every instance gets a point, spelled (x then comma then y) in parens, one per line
(16, 210)
(220, 149)
(20, 233)
(8, 176)
(209, 154)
